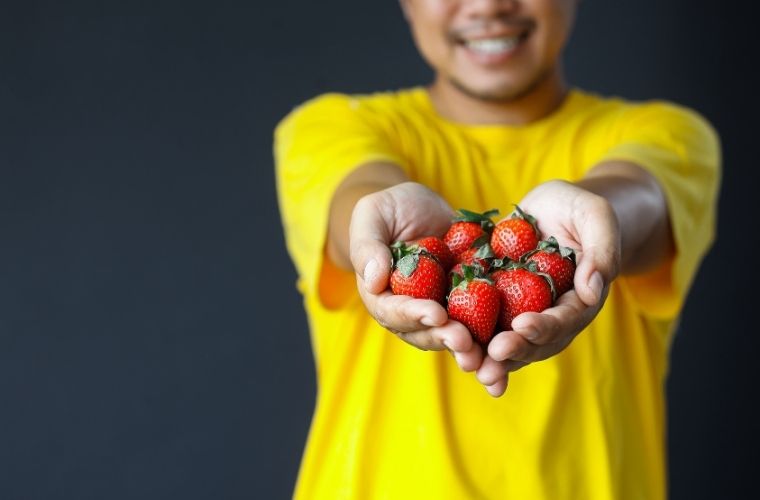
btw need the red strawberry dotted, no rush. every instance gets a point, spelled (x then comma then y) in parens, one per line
(467, 228)
(438, 249)
(477, 255)
(515, 236)
(417, 274)
(475, 303)
(556, 261)
(521, 290)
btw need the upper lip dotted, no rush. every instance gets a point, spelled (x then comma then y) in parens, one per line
(490, 36)
(516, 29)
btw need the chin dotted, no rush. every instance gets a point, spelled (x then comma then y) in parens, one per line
(491, 92)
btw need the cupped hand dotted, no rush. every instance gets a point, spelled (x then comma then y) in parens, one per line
(587, 223)
(405, 212)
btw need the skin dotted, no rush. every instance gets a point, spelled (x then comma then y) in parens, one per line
(616, 216)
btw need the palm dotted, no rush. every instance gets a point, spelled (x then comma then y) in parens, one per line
(554, 219)
(416, 212)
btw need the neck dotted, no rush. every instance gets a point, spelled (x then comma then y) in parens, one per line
(539, 101)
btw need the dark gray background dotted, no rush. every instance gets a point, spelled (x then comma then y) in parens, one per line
(152, 344)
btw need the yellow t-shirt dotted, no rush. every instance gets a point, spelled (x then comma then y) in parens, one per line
(395, 422)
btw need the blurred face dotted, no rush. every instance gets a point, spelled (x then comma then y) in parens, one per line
(496, 50)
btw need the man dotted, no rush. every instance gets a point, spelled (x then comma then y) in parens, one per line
(631, 186)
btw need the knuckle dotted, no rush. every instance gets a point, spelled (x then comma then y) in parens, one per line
(601, 205)
(366, 202)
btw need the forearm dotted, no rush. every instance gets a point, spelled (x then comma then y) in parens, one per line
(641, 209)
(364, 180)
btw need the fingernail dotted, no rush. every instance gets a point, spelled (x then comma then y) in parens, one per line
(596, 284)
(529, 334)
(370, 271)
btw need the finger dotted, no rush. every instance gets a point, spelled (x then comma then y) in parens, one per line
(400, 313)
(555, 328)
(499, 388)
(509, 345)
(559, 323)
(588, 282)
(599, 260)
(512, 346)
(471, 359)
(537, 329)
(455, 336)
(368, 243)
(491, 371)
(452, 336)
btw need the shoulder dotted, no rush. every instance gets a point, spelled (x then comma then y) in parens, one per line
(656, 121)
(651, 113)
(339, 107)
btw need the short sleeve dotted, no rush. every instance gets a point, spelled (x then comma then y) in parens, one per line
(315, 147)
(682, 151)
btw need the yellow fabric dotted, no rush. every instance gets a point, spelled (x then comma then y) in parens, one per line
(394, 422)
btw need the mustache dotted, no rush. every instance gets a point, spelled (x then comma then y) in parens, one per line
(521, 24)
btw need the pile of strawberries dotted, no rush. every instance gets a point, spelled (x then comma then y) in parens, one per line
(485, 274)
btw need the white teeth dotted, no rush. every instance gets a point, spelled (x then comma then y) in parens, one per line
(492, 45)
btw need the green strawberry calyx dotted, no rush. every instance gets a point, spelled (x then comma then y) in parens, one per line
(408, 264)
(483, 244)
(406, 258)
(520, 214)
(551, 245)
(484, 219)
(469, 274)
(399, 249)
(502, 264)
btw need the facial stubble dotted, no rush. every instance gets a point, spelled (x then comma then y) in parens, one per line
(508, 95)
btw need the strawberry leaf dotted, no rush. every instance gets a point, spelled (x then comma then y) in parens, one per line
(398, 250)
(551, 245)
(464, 215)
(408, 264)
(481, 241)
(456, 279)
(497, 264)
(468, 272)
(531, 266)
(526, 216)
(567, 253)
(485, 252)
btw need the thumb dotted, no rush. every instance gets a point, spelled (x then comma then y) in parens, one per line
(596, 269)
(372, 261)
(369, 237)
(589, 287)
(599, 261)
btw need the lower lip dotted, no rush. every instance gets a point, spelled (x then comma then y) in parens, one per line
(492, 59)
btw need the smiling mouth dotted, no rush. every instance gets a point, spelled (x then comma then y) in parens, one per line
(495, 39)
(493, 46)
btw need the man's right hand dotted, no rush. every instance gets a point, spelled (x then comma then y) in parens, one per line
(405, 212)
